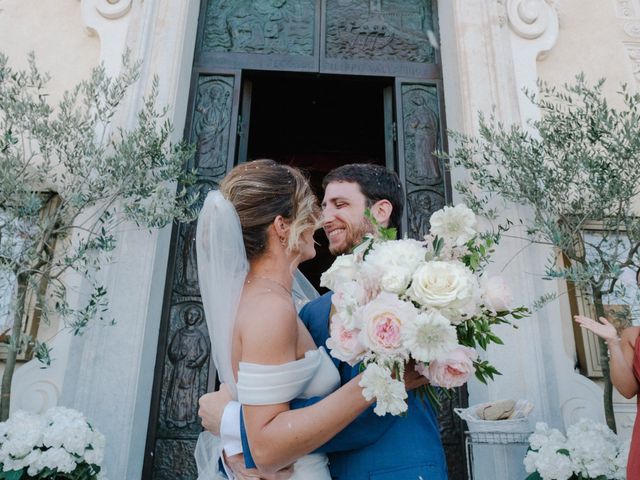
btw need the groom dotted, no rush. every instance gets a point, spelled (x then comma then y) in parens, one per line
(371, 447)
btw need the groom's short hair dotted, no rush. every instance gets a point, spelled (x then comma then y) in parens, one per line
(376, 183)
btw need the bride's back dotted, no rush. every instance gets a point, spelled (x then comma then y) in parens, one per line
(278, 214)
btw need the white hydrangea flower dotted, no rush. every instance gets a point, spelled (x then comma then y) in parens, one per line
(390, 394)
(429, 336)
(347, 297)
(56, 440)
(593, 449)
(455, 224)
(552, 465)
(59, 459)
(23, 432)
(393, 263)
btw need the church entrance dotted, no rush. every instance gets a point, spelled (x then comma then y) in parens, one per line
(315, 84)
(315, 123)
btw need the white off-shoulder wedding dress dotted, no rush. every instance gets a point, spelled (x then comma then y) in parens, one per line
(311, 376)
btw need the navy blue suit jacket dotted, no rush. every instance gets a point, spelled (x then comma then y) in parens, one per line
(372, 447)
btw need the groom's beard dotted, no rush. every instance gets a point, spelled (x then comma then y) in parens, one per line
(353, 236)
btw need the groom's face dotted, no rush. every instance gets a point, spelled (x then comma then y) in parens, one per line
(343, 219)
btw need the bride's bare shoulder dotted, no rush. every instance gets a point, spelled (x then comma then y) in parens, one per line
(267, 319)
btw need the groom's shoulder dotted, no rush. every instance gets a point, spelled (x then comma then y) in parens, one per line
(317, 308)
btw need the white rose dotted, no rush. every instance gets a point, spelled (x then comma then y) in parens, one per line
(343, 269)
(497, 294)
(455, 224)
(393, 262)
(447, 286)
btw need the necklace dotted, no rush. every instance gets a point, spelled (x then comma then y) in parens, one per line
(288, 290)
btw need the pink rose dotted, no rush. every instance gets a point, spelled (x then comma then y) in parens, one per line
(382, 320)
(452, 370)
(344, 343)
(497, 294)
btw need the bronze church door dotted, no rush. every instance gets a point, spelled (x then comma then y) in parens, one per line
(315, 84)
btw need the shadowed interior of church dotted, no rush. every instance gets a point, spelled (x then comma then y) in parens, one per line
(317, 123)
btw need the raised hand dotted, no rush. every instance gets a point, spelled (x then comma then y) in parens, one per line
(603, 328)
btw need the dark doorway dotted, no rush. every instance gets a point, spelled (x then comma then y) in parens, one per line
(316, 123)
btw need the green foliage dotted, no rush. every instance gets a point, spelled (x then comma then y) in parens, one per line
(83, 471)
(576, 170)
(70, 177)
(575, 167)
(384, 233)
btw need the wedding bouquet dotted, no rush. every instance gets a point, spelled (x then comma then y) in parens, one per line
(59, 444)
(397, 301)
(589, 451)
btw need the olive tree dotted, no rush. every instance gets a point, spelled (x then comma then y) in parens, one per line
(576, 166)
(70, 178)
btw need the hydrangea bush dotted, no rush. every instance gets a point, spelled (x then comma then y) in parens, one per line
(589, 451)
(60, 444)
(397, 301)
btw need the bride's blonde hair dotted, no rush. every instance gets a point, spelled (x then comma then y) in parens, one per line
(263, 189)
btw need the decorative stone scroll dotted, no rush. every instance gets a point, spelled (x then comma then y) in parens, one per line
(530, 19)
(109, 20)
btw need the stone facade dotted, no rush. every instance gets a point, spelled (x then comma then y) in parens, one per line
(490, 50)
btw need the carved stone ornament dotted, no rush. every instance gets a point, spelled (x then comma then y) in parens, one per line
(633, 50)
(529, 18)
(108, 20)
(632, 29)
(113, 9)
(626, 8)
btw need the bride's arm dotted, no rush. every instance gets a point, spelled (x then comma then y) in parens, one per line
(279, 436)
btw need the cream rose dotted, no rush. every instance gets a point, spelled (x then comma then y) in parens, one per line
(382, 321)
(343, 269)
(448, 286)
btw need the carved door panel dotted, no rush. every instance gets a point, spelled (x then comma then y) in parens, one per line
(379, 37)
(419, 132)
(260, 35)
(183, 369)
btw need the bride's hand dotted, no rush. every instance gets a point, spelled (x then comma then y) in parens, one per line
(603, 329)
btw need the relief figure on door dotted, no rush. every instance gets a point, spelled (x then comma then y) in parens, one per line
(188, 352)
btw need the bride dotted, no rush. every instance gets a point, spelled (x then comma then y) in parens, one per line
(251, 236)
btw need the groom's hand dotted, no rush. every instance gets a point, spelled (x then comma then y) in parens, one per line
(240, 472)
(413, 379)
(211, 408)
